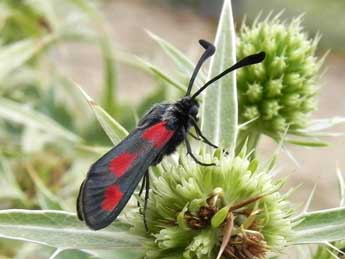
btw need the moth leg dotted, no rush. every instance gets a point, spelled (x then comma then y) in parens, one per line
(203, 139)
(143, 183)
(189, 152)
(199, 132)
(193, 136)
(146, 198)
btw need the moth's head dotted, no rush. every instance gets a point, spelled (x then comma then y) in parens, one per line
(190, 106)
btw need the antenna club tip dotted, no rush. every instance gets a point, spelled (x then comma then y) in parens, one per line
(260, 56)
(204, 43)
(253, 59)
(207, 45)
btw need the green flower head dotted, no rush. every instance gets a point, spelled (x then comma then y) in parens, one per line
(279, 93)
(196, 211)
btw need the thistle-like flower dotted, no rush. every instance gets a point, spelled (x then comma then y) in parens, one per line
(279, 93)
(233, 210)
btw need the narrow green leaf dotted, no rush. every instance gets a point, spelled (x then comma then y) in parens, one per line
(56, 253)
(8, 184)
(73, 100)
(320, 226)
(112, 128)
(64, 231)
(307, 143)
(317, 134)
(109, 75)
(46, 199)
(16, 54)
(18, 113)
(150, 68)
(118, 253)
(183, 63)
(32, 250)
(64, 19)
(323, 124)
(341, 184)
(219, 108)
(89, 8)
(309, 200)
(109, 95)
(320, 127)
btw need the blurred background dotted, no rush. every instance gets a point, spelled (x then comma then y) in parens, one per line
(48, 134)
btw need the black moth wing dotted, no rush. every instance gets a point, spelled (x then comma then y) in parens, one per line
(113, 178)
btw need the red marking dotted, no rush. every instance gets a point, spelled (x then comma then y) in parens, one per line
(121, 163)
(112, 197)
(158, 134)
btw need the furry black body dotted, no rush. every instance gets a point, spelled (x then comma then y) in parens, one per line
(179, 117)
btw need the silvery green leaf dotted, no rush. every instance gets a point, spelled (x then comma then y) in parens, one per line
(306, 143)
(150, 68)
(321, 127)
(219, 108)
(183, 63)
(109, 91)
(46, 199)
(341, 184)
(8, 183)
(32, 250)
(111, 127)
(64, 231)
(322, 124)
(15, 55)
(121, 253)
(21, 114)
(320, 226)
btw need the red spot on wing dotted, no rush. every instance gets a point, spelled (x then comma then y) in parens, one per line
(112, 196)
(121, 163)
(158, 134)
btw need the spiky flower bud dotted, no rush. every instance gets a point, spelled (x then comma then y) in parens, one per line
(196, 211)
(279, 93)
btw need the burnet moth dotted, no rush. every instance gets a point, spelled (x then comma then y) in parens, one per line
(113, 178)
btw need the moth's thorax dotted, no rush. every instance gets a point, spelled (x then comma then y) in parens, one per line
(181, 112)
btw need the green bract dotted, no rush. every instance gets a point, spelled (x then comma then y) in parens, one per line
(279, 93)
(190, 206)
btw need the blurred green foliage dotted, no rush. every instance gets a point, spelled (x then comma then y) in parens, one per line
(20, 20)
(48, 133)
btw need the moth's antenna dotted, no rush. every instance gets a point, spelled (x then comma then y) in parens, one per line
(249, 60)
(209, 51)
